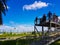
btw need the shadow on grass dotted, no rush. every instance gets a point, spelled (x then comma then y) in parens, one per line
(56, 42)
(17, 42)
(24, 41)
(10, 42)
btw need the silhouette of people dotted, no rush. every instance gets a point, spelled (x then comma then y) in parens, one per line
(55, 18)
(40, 21)
(44, 18)
(36, 20)
(49, 16)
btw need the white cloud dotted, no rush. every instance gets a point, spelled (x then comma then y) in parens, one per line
(18, 28)
(14, 27)
(35, 5)
(6, 28)
(25, 28)
(59, 17)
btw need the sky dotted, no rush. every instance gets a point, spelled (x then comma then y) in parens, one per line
(21, 13)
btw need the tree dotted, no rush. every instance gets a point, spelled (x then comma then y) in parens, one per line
(3, 8)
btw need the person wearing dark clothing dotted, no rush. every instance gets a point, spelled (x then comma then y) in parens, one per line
(55, 18)
(40, 21)
(44, 18)
(36, 20)
(49, 16)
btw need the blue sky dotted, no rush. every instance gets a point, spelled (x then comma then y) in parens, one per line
(23, 12)
(16, 13)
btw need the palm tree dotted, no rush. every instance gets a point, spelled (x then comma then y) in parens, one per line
(3, 8)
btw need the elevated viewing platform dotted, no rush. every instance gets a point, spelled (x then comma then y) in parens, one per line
(50, 20)
(47, 24)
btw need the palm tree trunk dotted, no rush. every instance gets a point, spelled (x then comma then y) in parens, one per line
(1, 19)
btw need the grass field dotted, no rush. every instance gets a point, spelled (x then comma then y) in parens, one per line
(19, 41)
(10, 42)
(56, 42)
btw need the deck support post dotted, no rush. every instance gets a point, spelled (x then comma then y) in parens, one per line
(42, 31)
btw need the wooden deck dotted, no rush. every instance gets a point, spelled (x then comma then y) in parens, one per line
(47, 24)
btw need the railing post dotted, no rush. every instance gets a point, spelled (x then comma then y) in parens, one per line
(42, 32)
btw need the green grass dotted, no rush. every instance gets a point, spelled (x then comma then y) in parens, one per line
(10, 42)
(24, 41)
(4, 35)
(56, 42)
(17, 42)
(13, 35)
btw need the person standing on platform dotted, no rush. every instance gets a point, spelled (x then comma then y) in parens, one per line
(49, 16)
(44, 18)
(55, 18)
(36, 20)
